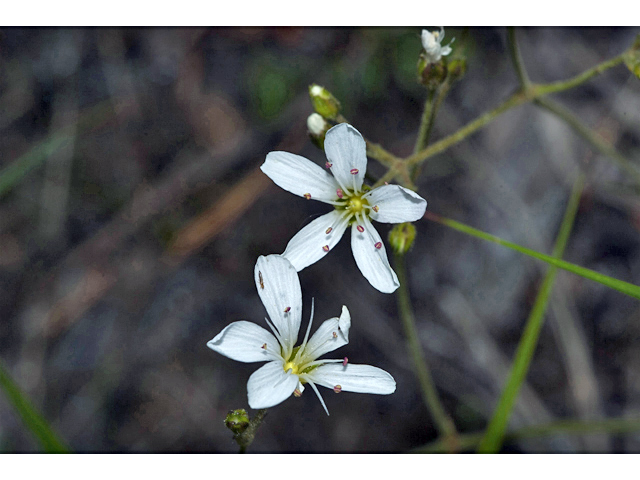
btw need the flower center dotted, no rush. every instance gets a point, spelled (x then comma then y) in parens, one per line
(291, 366)
(356, 204)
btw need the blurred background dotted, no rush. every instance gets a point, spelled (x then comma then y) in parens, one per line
(132, 212)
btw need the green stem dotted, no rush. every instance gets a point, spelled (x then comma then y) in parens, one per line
(441, 145)
(518, 64)
(246, 438)
(445, 425)
(494, 436)
(468, 441)
(579, 79)
(619, 285)
(425, 123)
(590, 136)
(49, 441)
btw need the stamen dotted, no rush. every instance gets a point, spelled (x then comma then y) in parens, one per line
(264, 346)
(325, 248)
(340, 193)
(360, 228)
(335, 335)
(328, 230)
(306, 335)
(328, 165)
(297, 393)
(378, 245)
(353, 171)
(261, 280)
(375, 208)
(287, 310)
(315, 389)
(337, 388)
(307, 196)
(386, 183)
(345, 361)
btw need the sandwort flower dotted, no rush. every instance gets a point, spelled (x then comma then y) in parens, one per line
(431, 43)
(355, 205)
(289, 368)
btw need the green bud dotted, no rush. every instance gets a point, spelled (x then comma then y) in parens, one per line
(401, 237)
(318, 127)
(632, 57)
(324, 102)
(431, 75)
(457, 68)
(237, 421)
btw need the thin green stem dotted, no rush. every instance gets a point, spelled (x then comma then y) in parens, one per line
(494, 436)
(49, 441)
(444, 424)
(425, 123)
(442, 145)
(579, 79)
(516, 58)
(246, 438)
(467, 441)
(619, 285)
(595, 140)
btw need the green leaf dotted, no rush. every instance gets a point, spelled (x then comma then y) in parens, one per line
(33, 420)
(494, 435)
(619, 285)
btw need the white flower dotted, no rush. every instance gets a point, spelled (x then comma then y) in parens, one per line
(431, 44)
(354, 205)
(290, 368)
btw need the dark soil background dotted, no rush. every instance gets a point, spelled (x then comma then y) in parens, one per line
(132, 214)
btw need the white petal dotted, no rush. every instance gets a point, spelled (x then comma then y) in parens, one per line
(270, 385)
(298, 175)
(313, 242)
(243, 341)
(396, 204)
(372, 261)
(279, 289)
(354, 378)
(332, 334)
(347, 152)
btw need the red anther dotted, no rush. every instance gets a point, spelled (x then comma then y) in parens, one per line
(297, 393)
(337, 388)
(386, 183)
(375, 208)
(340, 193)
(325, 248)
(328, 230)
(335, 335)
(287, 310)
(264, 346)
(378, 245)
(353, 171)
(307, 196)
(328, 165)
(345, 361)
(360, 228)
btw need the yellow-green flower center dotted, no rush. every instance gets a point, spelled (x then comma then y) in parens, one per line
(291, 366)
(356, 204)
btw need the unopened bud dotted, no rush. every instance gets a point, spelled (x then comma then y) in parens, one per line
(324, 102)
(401, 237)
(317, 127)
(632, 57)
(431, 75)
(457, 67)
(237, 421)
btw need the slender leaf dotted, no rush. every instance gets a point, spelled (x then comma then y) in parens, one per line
(494, 436)
(33, 420)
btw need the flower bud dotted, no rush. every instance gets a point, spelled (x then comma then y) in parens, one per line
(632, 57)
(318, 127)
(401, 237)
(323, 102)
(237, 421)
(457, 67)
(431, 75)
